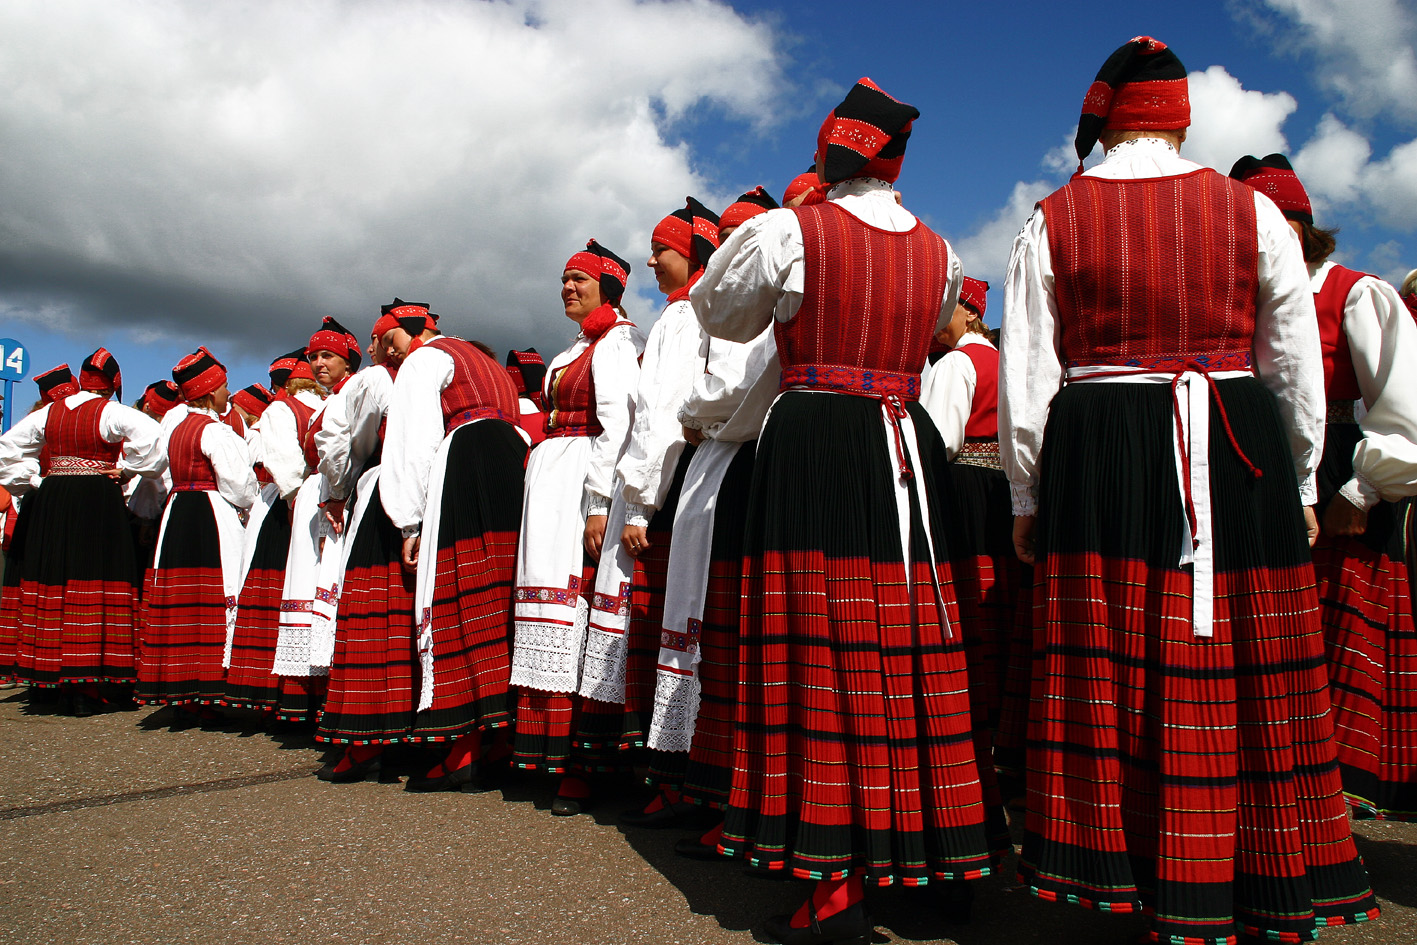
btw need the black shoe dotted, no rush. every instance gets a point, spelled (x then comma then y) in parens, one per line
(694, 849)
(462, 779)
(357, 771)
(81, 707)
(674, 814)
(956, 900)
(850, 926)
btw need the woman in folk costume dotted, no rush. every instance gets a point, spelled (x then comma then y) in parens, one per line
(78, 576)
(961, 392)
(589, 396)
(54, 384)
(190, 601)
(251, 682)
(451, 481)
(372, 695)
(1160, 415)
(696, 686)
(527, 369)
(310, 589)
(627, 608)
(853, 761)
(147, 495)
(1369, 468)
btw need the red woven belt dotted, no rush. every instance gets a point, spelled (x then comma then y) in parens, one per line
(846, 380)
(194, 485)
(477, 413)
(77, 466)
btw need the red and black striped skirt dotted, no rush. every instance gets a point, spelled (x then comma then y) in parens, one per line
(76, 606)
(853, 752)
(373, 673)
(710, 769)
(1365, 602)
(475, 572)
(1190, 778)
(251, 682)
(184, 609)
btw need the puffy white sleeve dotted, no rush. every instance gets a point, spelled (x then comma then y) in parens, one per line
(952, 287)
(19, 452)
(1383, 340)
(413, 434)
(366, 409)
(1030, 372)
(281, 452)
(671, 364)
(231, 461)
(143, 452)
(332, 444)
(948, 396)
(730, 400)
(615, 369)
(753, 278)
(1288, 358)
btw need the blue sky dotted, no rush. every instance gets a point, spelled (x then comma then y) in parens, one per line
(229, 174)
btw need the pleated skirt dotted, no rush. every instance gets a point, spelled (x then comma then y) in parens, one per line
(475, 569)
(1365, 602)
(709, 773)
(1191, 778)
(251, 682)
(373, 674)
(184, 625)
(853, 752)
(77, 600)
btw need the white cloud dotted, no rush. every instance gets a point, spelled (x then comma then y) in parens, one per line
(1360, 49)
(1229, 121)
(243, 168)
(1338, 171)
(985, 252)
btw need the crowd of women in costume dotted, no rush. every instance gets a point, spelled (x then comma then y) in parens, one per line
(840, 571)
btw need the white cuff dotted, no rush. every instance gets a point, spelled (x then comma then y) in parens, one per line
(596, 504)
(1024, 498)
(411, 531)
(1360, 492)
(1309, 491)
(637, 515)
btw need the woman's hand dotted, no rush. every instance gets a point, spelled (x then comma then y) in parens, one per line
(594, 535)
(1311, 524)
(410, 552)
(1023, 537)
(334, 514)
(1341, 518)
(693, 437)
(634, 539)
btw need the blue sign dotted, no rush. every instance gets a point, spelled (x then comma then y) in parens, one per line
(14, 360)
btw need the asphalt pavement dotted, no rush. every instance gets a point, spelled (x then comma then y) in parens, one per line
(115, 829)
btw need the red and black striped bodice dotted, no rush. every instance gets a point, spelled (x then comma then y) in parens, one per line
(1155, 273)
(73, 439)
(871, 300)
(1340, 380)
(480, 388)
(191, 469)
(570, 395)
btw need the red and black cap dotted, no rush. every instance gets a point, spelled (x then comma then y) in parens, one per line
(865, 136)
(198, 374)
(56, 383)
(412, 317)
(611, 271)
(100, 374)
(527, 369)
(338, 339)
(805, 183)
(749, 205)
(1272, 176)
(254, 399)
(160, 397)
(972, 294)
(289, 366)
(691, 231)
(1141, 87)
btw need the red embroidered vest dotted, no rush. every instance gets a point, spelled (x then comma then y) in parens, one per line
(480, 388)
(871, 299)
(74, 433)
(570, 395)
(191, 469)
(1154, 273)
(233, 419)
(1340, 380)
(983, 420)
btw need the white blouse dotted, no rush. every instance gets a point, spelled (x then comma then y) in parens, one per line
(730, 401)
(1382, 338)
(413, 435)
(282, 453)
(365, 405)
(140, 435)
(231, 461)
(947, 392)
(1287, 357)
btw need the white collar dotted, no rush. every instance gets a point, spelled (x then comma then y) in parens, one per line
(860, 187)
(1122, 150)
